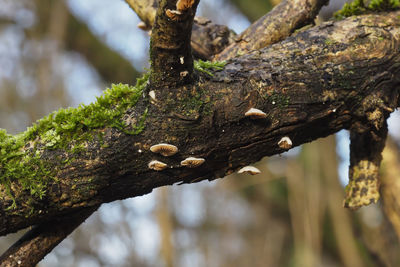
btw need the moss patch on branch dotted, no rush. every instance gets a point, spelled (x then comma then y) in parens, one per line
(358, 7)
(21, 156)
(206, 66)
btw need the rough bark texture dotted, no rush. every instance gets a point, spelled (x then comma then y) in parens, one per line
(310, 86)
(365, 159)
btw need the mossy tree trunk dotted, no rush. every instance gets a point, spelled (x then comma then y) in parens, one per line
(310, 85)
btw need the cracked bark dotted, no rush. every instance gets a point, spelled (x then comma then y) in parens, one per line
(310, 85)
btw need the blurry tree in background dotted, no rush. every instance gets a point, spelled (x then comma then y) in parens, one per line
(290, 215)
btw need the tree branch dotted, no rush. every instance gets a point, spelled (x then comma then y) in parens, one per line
(170, 51)
(275, 26)
(309, 86)
(207, 40)
(39, 241)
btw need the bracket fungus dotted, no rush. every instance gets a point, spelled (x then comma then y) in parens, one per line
(183, 73)
(157, 165)
(192, 162)
(164, 149)
(254, 113)
(152, 95)
(173, 14)
(285, 143)
(183, 5)
(143, 26)
(250, 169)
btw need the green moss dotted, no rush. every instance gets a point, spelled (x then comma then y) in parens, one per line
(329, 41)
(191, 106)
(349, 9)
(383, 5)
(281, 101)
(358, 7)
(15, 164)
(66, 129)
(205, 66)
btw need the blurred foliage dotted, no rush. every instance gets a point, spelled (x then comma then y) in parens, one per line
(254, 9)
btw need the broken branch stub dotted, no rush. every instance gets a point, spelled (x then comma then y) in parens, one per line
(170, 50)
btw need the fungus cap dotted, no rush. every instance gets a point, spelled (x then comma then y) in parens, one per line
(285, 143)
(255, 114)
(164, 149)
(157, 165)
(143, 26)
(183, 5)
(249, 169)
(173, 14)
(192, 162)
(152, 94)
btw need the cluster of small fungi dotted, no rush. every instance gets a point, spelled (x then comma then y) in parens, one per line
(181, 6)
(167, 150)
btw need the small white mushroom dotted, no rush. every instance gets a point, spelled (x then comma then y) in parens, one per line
(255, 114)
(183, 5)
(164, 149)
(285, 143)
(143, 26)
(157, 165)
(152, 94)
(184, 73)
(249, 169)
(182, 60)
(173, 14)
(192, 162)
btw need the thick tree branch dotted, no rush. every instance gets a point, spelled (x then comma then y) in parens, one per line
(275, 26)
(310, 86)
(39, 241)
